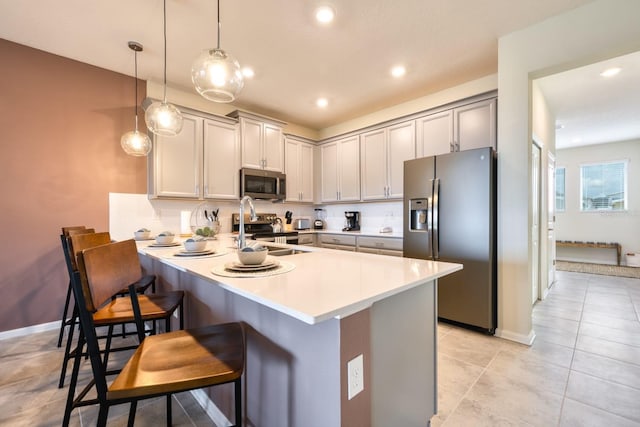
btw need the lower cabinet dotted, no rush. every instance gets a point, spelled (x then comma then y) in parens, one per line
(391, 246)
(337, 241)
(307, 239)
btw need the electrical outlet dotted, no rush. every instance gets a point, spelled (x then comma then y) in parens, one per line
(355, 376)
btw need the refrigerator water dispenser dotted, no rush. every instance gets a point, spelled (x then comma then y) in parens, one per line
(418, 210)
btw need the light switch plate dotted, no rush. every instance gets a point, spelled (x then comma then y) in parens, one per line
(355, 376)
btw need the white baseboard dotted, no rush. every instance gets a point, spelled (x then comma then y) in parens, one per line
(21, 332)
(210, 408)
(514, 336)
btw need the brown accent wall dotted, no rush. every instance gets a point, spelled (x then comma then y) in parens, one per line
(60, 156)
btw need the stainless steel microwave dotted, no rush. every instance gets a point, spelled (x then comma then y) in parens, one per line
(261, 184)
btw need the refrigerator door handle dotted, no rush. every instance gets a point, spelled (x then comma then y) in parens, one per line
(434, 228)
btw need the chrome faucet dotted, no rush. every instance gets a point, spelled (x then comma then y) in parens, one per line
(242, 243)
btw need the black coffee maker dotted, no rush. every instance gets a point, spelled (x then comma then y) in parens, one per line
(352, 221)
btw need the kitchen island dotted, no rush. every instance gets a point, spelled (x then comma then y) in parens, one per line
(303, 326)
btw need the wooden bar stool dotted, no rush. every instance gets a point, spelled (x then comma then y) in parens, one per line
(163, 364)
(155, 307)
(63, 238)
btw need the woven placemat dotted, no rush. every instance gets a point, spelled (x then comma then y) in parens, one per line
(283, 267)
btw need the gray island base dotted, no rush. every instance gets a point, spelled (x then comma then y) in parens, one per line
(303, 327)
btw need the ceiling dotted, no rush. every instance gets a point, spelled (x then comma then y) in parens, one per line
(441, 43)
(591, 109)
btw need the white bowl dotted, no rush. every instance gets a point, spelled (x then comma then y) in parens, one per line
(252, 257)
(165, 239)
(142, 235)
(192, 245)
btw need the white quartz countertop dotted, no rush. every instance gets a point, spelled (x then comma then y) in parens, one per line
(324, 284)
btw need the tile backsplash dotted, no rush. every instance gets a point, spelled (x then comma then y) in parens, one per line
(129, 212)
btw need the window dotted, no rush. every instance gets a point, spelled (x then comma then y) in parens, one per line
(560, 189)
(603, 186)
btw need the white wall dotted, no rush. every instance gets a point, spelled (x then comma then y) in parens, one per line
(596, 31)
(620, 227)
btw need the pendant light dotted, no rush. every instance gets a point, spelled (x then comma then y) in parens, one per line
(216, 74)
(162, 118)
(136, 143)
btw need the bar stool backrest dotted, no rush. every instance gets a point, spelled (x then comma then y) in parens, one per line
(76, 244)
(107, 270)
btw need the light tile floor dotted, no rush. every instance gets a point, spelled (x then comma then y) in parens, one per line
(582, 370)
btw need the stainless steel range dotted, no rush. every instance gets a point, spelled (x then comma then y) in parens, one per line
(262, 228)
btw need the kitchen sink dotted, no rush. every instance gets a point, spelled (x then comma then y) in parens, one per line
(277, 251)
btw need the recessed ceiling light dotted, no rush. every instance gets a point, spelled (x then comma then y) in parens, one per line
(576, 140)
(398, 71)
(248, 72)
(322, 102)
(610, 72)
(325, 14)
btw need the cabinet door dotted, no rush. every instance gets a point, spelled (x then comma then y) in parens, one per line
(373, 161)
(401, 146)
(329, 172)
(251, 135)
(475, 125)
(349, 169)
(178, 161)
(435, 134)
(292, 169)
(273, 148)
(305, 173)
(221, 161)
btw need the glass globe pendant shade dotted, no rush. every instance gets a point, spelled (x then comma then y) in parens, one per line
(163, 119)
(135, 143)
(216, 76)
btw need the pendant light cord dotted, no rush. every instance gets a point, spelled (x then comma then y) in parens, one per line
(218, 24)
(135, 107)
(164, 99)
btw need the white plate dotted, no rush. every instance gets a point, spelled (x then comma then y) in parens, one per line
(194, 253)
(141, 239)
(164, 245)
(237, 266)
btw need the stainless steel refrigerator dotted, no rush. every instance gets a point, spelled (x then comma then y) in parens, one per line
(450, 215)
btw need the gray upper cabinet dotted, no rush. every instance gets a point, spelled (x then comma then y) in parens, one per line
(340, 170)
(383, 153)
(299, 169)
(461, 128)
(201, 162)
(262, 141)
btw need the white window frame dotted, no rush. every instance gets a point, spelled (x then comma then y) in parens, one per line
(625, 164)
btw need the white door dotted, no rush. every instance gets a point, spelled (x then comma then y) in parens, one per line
(292, 169)
(535, 222)
(305, 173)
(551, 220)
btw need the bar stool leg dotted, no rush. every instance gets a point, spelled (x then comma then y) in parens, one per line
(65, 322)
(67, 350)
